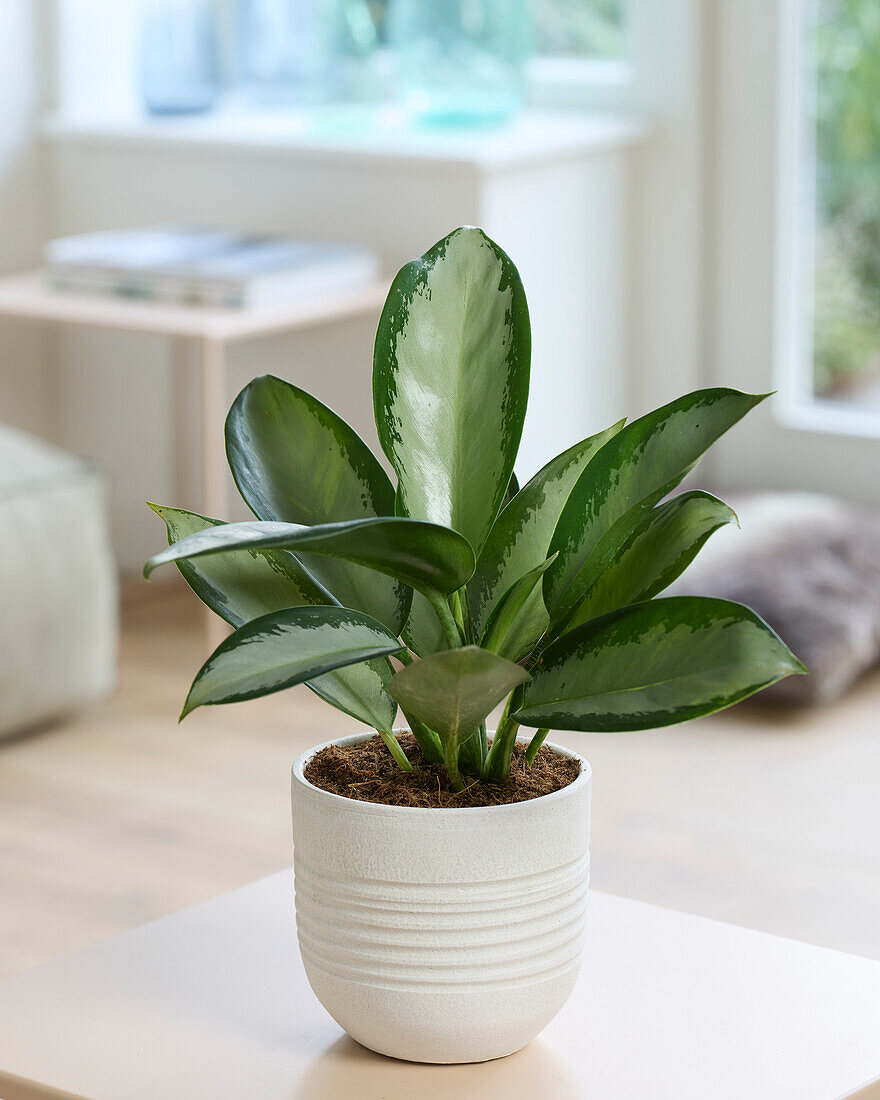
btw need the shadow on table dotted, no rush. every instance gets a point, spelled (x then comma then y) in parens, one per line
(348, 1069)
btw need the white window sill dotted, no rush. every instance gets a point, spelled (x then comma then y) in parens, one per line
(578, 83)
(379, 134)
(830, 418)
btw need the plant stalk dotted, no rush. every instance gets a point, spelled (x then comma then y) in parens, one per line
(484, 745)
(447, 619)
(455, 603)
(491, 764)
(473, 753)
(427, 740)
(505, 738)
(536, 742)
(450, 761)
(394, 747)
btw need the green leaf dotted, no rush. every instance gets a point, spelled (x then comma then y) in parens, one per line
(654, 664)
(520, 536)
(631, 473)
(422, 631)
(285, 648)
(519, 618)
(512, 490)
(242, 585)
(422, 555)
(294, 460)
(451, 380)
(360, 691)
(662, 545)
(452, 692)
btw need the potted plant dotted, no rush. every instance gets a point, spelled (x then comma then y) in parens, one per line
(441, 873)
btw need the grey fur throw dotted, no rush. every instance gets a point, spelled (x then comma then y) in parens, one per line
(810, 566)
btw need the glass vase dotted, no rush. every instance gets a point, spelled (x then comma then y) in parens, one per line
(459, 62)
(180, 65)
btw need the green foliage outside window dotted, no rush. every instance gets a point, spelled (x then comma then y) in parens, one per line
(844, 50)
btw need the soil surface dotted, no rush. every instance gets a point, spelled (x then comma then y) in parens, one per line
(367, 772)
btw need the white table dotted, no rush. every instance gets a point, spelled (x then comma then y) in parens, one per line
(30, 297)
(208, 331)
(213, 1002)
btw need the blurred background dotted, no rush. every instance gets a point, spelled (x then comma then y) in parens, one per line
(195, 192)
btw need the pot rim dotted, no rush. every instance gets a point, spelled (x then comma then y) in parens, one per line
(299, 765)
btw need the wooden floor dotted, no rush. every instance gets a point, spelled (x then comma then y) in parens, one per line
(119, 815)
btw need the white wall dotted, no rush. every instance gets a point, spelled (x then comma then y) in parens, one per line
(23, 377)
(668, 322)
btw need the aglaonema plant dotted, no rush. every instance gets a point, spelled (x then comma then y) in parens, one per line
(542, 598)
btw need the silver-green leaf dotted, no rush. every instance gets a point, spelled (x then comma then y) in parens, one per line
(661, 546)
(242, 585)
(285, 648)
(451, 380)
(654, 664)
(422, 555)
(519, 618)
(521, 534)
(629, 475)
(295, 461)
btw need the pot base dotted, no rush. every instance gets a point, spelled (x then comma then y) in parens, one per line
(458, 1026)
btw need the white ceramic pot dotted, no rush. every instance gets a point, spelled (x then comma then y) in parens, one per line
(441, 935)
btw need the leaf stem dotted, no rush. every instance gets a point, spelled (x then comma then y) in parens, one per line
(536, 742)
(427, 740)
(450, 760)
(491, 764)
(505, 739)
(447, 619)
(457, 610)
(394, 747)
(484, 745)
(473, 752)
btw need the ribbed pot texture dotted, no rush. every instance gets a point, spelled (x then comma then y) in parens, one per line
(441, 935)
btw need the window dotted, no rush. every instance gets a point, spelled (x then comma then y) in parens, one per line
(579, 28)
(561, 28)
(580, 49)
(841, 102)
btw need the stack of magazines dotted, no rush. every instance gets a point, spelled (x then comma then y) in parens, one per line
(204, 267)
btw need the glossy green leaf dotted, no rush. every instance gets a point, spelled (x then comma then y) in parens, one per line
(520, 536)
(241, 585)
(654, 664)
(294, 460)
(629, 475)
(422, 631)
(420, 554)
(452, 692)
(285, 648)
(451, 379)
(360, 691)
(662, 545)
(519, 618)
(512, 490)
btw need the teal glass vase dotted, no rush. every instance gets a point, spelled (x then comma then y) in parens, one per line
(459, 62)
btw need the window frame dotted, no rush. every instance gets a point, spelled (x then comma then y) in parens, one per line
(756, 327)
(799, 406)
